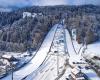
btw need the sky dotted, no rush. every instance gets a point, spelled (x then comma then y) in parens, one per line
(22, 3)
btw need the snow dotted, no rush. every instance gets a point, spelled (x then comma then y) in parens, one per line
(78, 57)
(37, 60)
(26, 14)
(7, 56)
(91, 51)
(48, 70)
(69, 44)
(91, 74)
(73, 56)
(44, 65)
(66, 74)
(75, 70)
(34, 15)
(94, 48)
(77, 46)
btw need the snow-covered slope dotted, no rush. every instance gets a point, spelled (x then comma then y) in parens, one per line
(69, 43)
(78, 58)
(73, 56)
(48, 70)
(94, 48)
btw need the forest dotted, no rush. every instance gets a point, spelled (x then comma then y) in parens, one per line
(18, 34)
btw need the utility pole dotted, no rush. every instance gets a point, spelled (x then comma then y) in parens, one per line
(57, 60)
(11, 66)
(57, 64)
(11, 70)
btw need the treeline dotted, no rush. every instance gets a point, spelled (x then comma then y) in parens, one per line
(24, 34)
(19, 35)
(86, 21)
(85, 18)
(8, 18)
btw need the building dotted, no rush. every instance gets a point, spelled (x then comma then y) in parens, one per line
(33, 15)
(9, 58)
(74, 34)
(4, 62)
(40, 14)
(76, 74)
(27, 14)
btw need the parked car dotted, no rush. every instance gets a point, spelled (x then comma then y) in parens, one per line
(67, 79)
(87, 67)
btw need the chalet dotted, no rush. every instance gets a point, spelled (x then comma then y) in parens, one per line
(33, 15)
(40, 14)
(27, 14)
(2, 67)
(76, 74)
(96, 57)
(75, 62)
(4, 62)
(9, 58)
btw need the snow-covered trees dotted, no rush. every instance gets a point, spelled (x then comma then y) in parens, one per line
(30, 32)
(86, 22)
(25, 33)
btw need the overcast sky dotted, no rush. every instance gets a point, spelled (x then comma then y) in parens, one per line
(21, 3)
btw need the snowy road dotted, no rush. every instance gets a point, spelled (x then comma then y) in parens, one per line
(37, 60)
